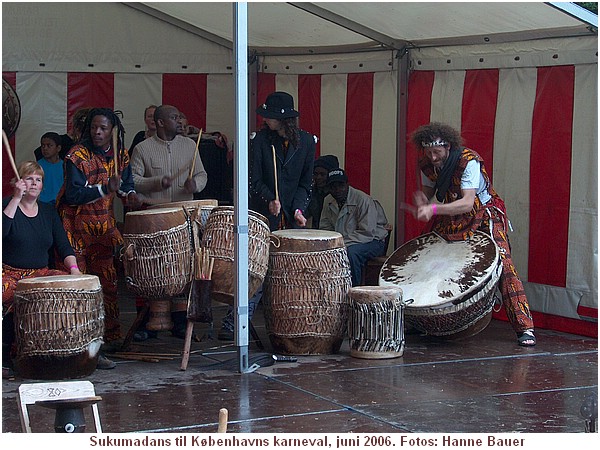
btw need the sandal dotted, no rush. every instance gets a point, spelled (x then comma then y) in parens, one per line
(526, 338)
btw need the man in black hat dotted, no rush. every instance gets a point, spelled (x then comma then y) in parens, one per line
(321, 170)
(353, 214)
(281, 168)
(282, 157)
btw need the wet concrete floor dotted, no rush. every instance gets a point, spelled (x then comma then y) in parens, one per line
(484, 384)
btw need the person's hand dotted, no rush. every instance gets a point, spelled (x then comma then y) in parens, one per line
(20, 187)
(113, 184)
(166, 182)
(420, 199)
(300, 219)
(274, 207)
(189, 186)
(75, 271)
(425, 212)
(134, 201)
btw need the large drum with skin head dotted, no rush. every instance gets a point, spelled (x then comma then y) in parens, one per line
(59, 325)
(219, 239)
(305, 292)
(451, 283)
(157, 252)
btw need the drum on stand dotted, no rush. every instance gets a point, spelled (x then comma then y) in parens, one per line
(452, 284)
(157, 259)
(59, 322)
(305, 291)
(376, 322)
(219, 236)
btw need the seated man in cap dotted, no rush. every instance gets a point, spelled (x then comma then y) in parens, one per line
(321, 169)
(354, 215)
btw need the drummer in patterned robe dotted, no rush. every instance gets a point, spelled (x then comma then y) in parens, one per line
(85, 205)
(467, 202)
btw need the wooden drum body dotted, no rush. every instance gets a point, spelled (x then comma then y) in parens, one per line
(219, 239)
(376, 322)
(198, 209)
(305, 303)
(452, 284)
(59, 322)
(157, 252)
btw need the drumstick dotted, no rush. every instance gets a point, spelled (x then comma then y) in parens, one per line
(410, 208)
(195, 154)
(223, 416)
(275, 172)
(10, 156)
(115, 142)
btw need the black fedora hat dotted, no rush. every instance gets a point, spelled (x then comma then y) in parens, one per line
(279, 105)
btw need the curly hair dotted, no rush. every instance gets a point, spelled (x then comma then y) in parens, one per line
(433, 131)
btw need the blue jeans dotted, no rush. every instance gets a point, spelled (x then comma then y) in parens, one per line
(228, 322)
(359, 254)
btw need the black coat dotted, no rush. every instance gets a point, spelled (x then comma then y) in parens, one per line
(294, 175)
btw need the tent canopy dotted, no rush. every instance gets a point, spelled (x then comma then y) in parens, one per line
(307, 27)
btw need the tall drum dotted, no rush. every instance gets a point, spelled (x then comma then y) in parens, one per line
(199, 209)
(157, 252)
(219, 237)
(452, 284)
(59, 322)
(305, 303)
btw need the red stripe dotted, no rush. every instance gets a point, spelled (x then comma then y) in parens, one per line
(480, 97)
(550, 175)
(359, 118)
(420, 86)
(89, 90)
(309, 105)
(7, 173)
(187, 92)
(585, 311)
(265, 84)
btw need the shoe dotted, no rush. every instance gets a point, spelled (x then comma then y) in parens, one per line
(526, 338)
(226, 335)
(104, 363)
(112, 346)
(140, 336)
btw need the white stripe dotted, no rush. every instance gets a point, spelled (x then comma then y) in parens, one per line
(383, 143)
(446, 97)
(582, 261)
(220, 105)
(333, 116)
(43, 98)
(133, 93)
(289, 84)
(512, 149)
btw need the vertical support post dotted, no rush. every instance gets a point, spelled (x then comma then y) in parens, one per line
(240, 53)
(401, 131)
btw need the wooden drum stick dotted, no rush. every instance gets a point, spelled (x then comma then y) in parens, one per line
(195, 154)
(10, 156)
(275, 172)
(115, 144)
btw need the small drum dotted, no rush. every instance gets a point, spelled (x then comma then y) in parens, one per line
(157, 252)
(191, 207)
(305, 303)
(59, 322)
(376, 322)
(452, 284)
(219, 237)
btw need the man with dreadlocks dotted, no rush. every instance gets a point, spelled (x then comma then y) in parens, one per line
(85, 204)
(458, 179)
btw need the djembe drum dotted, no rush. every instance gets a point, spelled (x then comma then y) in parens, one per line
(157, 259)
(304, 296)
(452, 284)
(218, 238)
(376, 322)
(59, 323)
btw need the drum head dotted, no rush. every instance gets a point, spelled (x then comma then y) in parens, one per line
(85, 282)
(435, 272)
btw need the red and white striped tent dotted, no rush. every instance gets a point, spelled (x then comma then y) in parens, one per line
(522, 88)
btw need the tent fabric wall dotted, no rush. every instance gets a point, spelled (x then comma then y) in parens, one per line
(536, 130)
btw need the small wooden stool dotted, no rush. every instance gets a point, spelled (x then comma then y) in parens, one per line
(59, 395)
